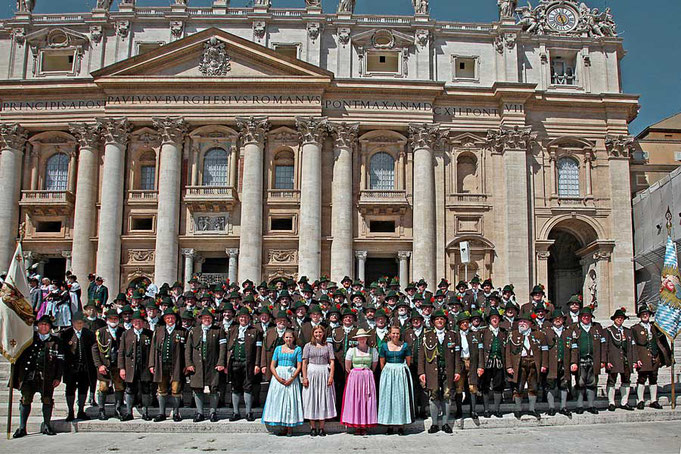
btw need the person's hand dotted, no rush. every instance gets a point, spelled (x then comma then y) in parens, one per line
(280, 380)
(306, 382)
(543, 370)
(573, 368)
(457, 377)
(510, 371)
(288, 382)
(422, 379)
(55, 383)
(122, 374)
(329, 382)
(480, 372)
(219, 368)
(151, 369)
(256, 371)
(103, 370)
(191, 369)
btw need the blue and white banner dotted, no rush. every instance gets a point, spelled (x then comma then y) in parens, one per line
(668, 314)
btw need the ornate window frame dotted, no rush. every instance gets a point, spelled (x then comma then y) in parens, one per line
(57, 40)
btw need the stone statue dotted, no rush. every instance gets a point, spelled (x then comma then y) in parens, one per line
(104, 4)
(527, 20)
(346, 6)
(262, 3)
(507, 8)
(181, 2)
(315, 3)
(25, 6)
(420, 6)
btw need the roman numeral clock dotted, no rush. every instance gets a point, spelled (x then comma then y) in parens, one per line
(562, 18)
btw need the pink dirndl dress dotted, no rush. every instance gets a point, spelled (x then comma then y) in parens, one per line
(359, 398)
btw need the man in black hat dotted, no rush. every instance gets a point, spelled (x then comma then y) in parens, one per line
(133, 360)
(558, 377)
(468, 364)
(100, 292)
(413, 336)
(39, 370)
(619, 359)
(79, 367)
(536, 297)
(166, 363)
(105, 356)
(493, 379)
(244, 349)
(473, 298)
(587, 358)
(651, 352)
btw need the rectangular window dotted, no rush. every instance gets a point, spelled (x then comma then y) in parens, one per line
(148, 178)
(142, 224)
(563, 69)
(642, 180)
(382, 226)
(465, 67)
(48, 227)
(143, 48)
(281, 224)
(283, 177)
(288, 50)
(383, 62)
(57, 62)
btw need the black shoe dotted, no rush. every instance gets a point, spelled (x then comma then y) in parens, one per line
(592, 410)
(177, 417)
(389, 431)
(199, 417)
(70, 417)
(535, 413)
(127, 417)
(102, 416)
(213, 417)
(497, 414)
(627, 407)
(313, 432)
(400, 431)
(446, 429)
(250, 417)
(160, 418)
(641, 405)
(146, 417)
(82, 416)
(655, 405)
(579, 410)
(433, 429)
(551, 412)
(321, 433)
(474, 415)
(118, 414)
(487, 414)
(611, 407)
(517, 414)
(235, 417)
(46, 429)
(19, 433)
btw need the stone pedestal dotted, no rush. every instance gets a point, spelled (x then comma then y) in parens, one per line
(232, 269)
(361, 264)
(403, 257)
(12, 141)
(188, 255)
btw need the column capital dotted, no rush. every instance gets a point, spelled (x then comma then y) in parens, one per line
(403, 255)
(12, 135)
(312, 129)
(115, 130)
(252, 129)
(66, 254)
(511, 137)
(199, 258)
(188, 252)
(424, 135)
(619, 146)
(87, 134)
(232, 252)
(543, 255)
(361, 255)
(344, 134)
(171, 129)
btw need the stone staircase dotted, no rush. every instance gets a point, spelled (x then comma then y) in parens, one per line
(138, 425)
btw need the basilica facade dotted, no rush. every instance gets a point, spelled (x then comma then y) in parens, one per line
(156, 143)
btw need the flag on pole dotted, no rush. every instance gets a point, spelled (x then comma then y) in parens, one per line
(668, 314)
(16, 313)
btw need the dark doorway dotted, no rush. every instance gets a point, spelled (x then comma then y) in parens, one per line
(566, 276)
(376, 268)
(55, 268)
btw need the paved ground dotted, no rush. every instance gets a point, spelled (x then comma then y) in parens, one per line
(658, 438)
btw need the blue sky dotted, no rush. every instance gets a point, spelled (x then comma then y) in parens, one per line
(651, 68)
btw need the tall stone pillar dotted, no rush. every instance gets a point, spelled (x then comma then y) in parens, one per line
(253, 131)
(12, 141)
(514, 142)
(361, 265)
(172, 131)
(67, 256)
(232, 268)
(423, 139)
(86, 197)
(312, 133)
(403, 257)
(188, 254)
(345, 135)
(115, 132)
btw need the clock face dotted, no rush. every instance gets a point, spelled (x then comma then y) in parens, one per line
(562, 19)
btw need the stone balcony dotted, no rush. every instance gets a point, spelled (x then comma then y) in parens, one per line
(582, 204)
(207, 199)
(283, 196)
(379, 201)
(467, 200)
(142, 197)
(47, 203)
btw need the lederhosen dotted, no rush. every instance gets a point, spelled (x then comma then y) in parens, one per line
(654, 349)
(619, 340)
(528, 370)
(586, 375)
(495, 374)
(137, 384)
(238, 372)
(561, 381)
(77, 373)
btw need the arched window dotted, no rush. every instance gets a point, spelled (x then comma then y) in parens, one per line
(568, 177)
(57, 172)
(466, 174)
(284, 170)
(215, 168)
(382, 172)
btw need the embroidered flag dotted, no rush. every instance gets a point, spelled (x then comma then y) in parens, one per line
(668, 314)
(16, 313)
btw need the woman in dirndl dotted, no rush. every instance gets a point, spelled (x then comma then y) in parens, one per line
(284, 405)
(319, 395)
(395, 403)
(359, 398)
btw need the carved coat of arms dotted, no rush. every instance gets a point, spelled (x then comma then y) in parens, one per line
(214, 61)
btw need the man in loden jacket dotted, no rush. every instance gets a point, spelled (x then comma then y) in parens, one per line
(244, 348)
(105, 356)
(651, 352)
(587, 358)
(133, 362)
(619, 359)
(79, 366)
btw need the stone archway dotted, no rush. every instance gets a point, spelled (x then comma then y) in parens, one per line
(565, 271)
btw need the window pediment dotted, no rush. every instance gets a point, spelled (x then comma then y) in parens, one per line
(382, 39)
(56, 38)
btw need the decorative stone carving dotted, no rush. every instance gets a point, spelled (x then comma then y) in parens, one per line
(104, 4)
(345, 134)
(543, 255)
(422, 37)
(149, 138)
(211, 224)
(282, 256)
(252, 129)
(346, 6)
(619, 146)
(25, 6)
(312, 129)
(96, 33)
(232, 253)
(141, 255)
(564, 17)
(511, 137)
(123, 28)
(19, 35)
(344, 36)
(361, 255)
(424, 135)
(403, 255)
(507, 8)
(12, 135)
(421, 6)
(259, 28)
(171, 129)
(115, 130)
(214, 60)
(88, 135)
(313, 30)
(601, 255)
(181, 2)
(285, 136)
(176, 28)
(313, 3)
(506, 40)
(188, 253)
(266, 3)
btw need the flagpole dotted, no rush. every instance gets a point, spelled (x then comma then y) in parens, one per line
(11, 395)
(673, 384)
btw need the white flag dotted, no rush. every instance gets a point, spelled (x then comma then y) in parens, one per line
(16, 313)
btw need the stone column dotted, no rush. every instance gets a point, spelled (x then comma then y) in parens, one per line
(312, 133)
(403, 257)
(115, 132)
(67, 256)
(35, 168)
(514, 143)
(361, 263)
(198, 263)
(28, 259)
(172, 131)
(252, 135)
(345, 135)
(423, 138)
(232, 269)
(86, 197)
(12, 141)
(588, 158)
(188, 255)
(71, 183)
